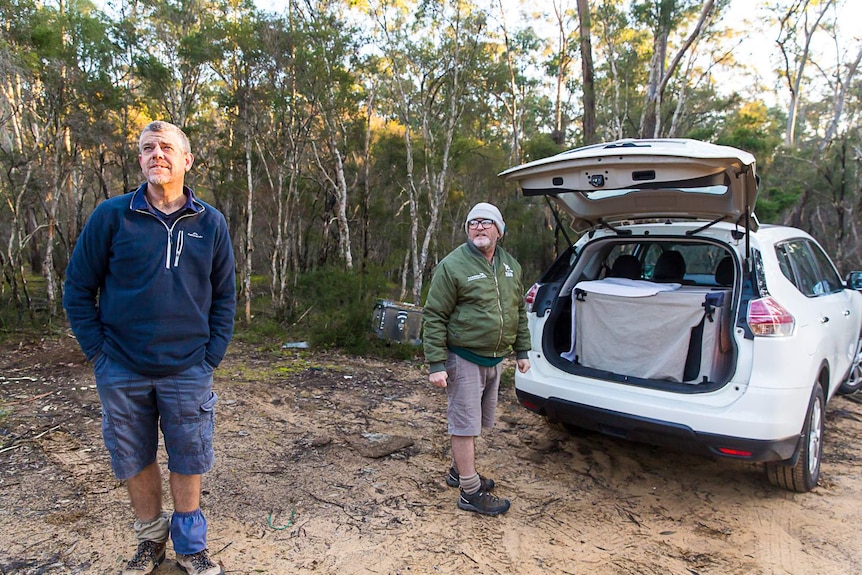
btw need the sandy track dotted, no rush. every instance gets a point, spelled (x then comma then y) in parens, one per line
(301, 484)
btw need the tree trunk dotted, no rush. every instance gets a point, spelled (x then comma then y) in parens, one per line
(839, 99)
(659, 77)
(589, 100)
(559, 134)
(248, 248)
(794, 64)
(512, 106)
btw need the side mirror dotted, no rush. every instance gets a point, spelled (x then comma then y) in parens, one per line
(854, 280)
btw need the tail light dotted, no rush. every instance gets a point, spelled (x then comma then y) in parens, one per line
(531, 296)
(767, 317)
(734, 452)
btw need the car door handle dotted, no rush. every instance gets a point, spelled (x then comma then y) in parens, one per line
(824, 319)
(846, 312)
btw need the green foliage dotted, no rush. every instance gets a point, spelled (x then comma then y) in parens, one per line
(775, 200)
(529, 235)
(330, 308)
(24, 310)
(541, 146)
(753, 128)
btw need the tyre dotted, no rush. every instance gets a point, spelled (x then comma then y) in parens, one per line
(804, 473)
(854, 379)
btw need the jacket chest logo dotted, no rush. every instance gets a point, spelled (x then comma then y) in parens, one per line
(510, 273)
(478, 276)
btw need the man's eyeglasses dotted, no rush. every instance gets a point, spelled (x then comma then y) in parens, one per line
(476, 224)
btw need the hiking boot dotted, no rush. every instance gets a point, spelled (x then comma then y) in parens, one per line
(149, 555)
(454, 480)
(198, 564)
(483, 502)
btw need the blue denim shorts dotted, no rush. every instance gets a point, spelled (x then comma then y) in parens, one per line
(135, 406)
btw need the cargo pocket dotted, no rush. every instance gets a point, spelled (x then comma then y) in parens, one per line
(109, 435)
(208, 420)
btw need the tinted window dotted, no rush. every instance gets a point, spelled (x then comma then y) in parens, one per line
(807, 267)
(829, 279)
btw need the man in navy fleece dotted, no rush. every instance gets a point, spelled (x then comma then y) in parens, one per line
(150, 293)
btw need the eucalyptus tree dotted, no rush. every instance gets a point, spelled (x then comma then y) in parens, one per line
(430, 48)
(175, 51)
(587, 71)
(18, 143)
(520, 50)
(620, 69)
(330, 66)
(53, 83)
(664, 17)
(236, 57)
(799, 21)
(283, 138)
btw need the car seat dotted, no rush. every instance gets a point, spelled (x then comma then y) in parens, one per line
(724, 271)
(670, 267)
(626, 266)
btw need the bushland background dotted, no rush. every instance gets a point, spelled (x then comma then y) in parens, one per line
(346, 140)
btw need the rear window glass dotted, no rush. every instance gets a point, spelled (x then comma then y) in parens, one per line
(701, 260)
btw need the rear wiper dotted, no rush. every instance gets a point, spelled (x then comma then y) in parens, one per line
(700, 229)
(618, 231)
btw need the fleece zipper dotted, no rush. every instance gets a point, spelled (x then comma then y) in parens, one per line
(170, 245)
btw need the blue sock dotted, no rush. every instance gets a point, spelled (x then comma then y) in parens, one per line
(189, 532)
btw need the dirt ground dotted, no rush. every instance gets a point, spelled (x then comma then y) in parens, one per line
(335, 464)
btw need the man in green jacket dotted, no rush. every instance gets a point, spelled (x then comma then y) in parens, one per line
(474, 316)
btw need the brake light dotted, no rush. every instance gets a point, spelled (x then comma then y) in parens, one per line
(531, 405)
(530, 297)
(767, 317)
(734, 452)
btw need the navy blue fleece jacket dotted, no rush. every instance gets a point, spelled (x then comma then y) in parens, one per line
(157, 299)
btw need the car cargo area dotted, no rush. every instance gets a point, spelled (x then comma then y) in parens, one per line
(623, 313)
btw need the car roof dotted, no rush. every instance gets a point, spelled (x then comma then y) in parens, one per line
(643, 179)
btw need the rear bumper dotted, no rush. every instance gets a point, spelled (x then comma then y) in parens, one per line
(656, 432)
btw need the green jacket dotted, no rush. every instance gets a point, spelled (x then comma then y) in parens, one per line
(475, 305)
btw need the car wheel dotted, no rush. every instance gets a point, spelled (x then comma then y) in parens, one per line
(854, 379)
(803, 475)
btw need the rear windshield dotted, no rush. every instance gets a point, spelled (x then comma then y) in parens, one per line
(699, 261)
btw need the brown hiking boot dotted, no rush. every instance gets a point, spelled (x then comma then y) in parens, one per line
(149, 555)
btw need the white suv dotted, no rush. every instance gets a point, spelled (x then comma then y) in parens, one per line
(677, 319)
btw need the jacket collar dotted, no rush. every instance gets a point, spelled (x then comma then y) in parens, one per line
(139, 200)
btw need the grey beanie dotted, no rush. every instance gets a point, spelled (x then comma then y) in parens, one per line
(486, 211)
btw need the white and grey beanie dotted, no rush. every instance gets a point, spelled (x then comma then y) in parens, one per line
(486, 211)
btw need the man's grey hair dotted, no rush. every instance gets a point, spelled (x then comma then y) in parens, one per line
(160, 126)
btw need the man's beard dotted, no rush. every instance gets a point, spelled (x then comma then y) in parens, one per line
(482, 242)
(159, 178)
